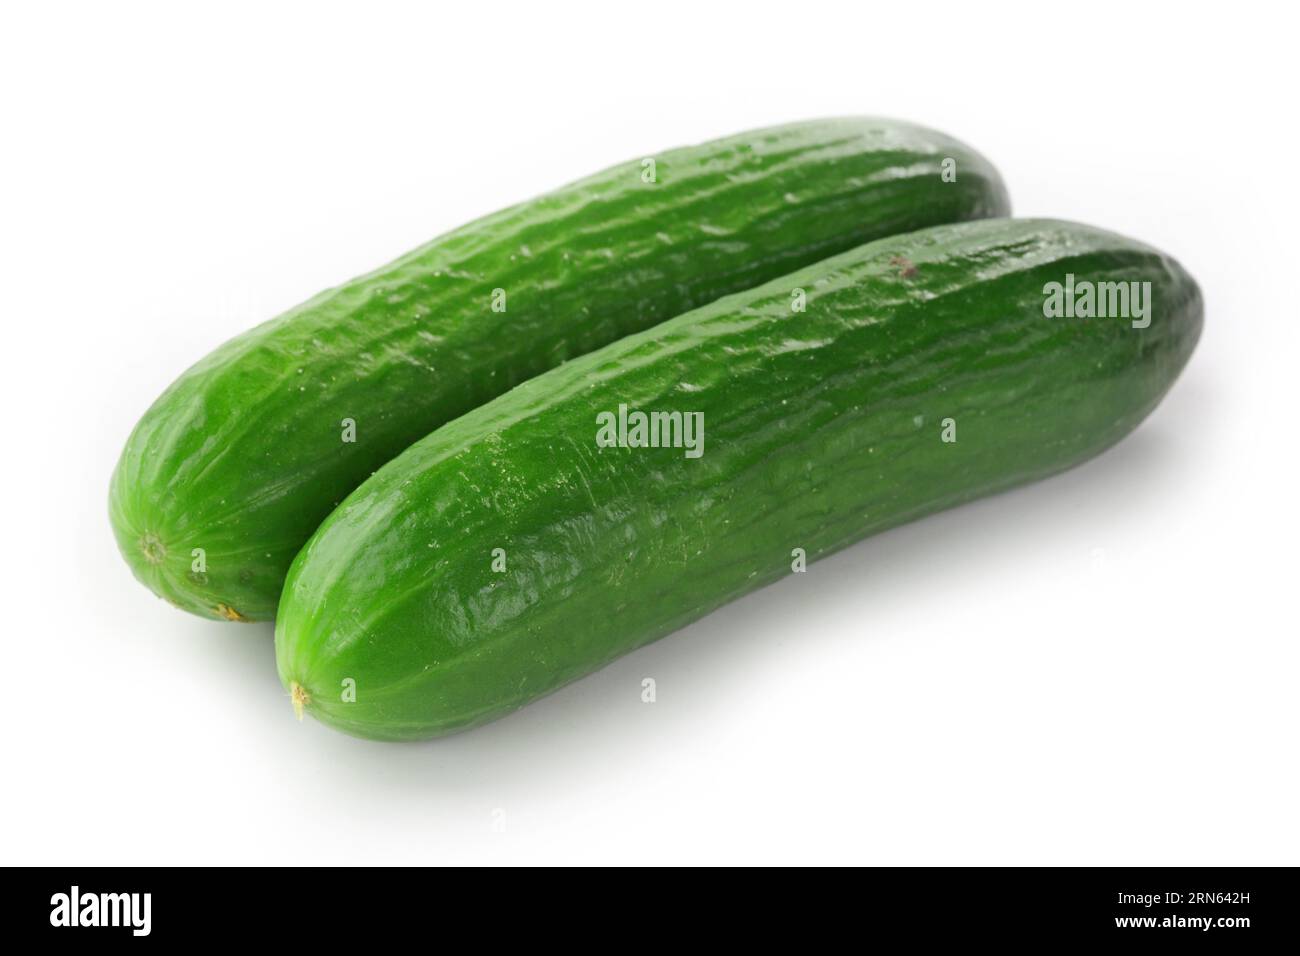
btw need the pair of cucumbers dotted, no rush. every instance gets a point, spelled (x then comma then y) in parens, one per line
(565, 430)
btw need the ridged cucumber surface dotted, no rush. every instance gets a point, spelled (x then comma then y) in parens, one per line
(233, 468)
(515, 550)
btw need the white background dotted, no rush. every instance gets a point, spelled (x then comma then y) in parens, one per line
(1099, 669)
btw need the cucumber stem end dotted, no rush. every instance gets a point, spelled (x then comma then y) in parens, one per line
(152, 547)
(300, 698)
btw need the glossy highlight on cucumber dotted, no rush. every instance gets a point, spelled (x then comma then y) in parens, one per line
(509, 552)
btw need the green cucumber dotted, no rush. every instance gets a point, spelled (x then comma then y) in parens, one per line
(237, 463)
(513, 550)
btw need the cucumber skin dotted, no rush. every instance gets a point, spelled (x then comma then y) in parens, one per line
(243, 455)
(820, 428)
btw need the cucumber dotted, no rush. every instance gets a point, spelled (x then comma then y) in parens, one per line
(516, 549)
(241, 458)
